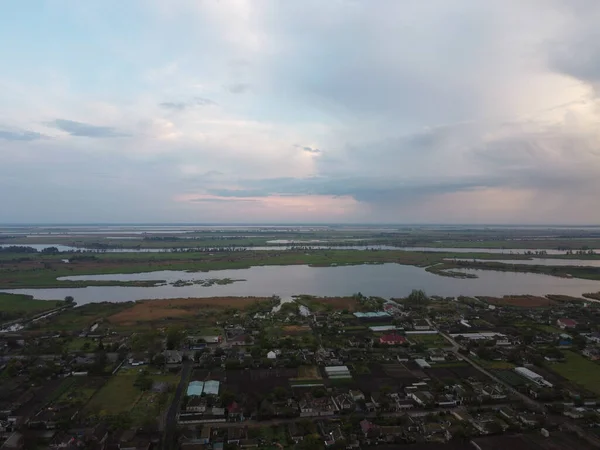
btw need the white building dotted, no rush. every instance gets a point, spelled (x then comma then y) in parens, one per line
(272, 355)
(530, 375)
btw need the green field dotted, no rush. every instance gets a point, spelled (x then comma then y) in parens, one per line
(579, 370)
(17, 306)
(82, 317)
(120, 394)
(428, 340)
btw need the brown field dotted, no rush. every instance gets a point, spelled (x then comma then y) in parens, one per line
(309, 373)
(296, 329)
(155, 310)
(335, 303)
(525, 301)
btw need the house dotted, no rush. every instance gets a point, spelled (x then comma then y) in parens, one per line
(565, 340)
(173, 357)
(421, 398)
(271, 355)
(235, 412)
(196, 404)
(392, 339)
(356, 395)
(494, 391)
(566, 323)
(592, 353)
(420, 325)
(344, 402)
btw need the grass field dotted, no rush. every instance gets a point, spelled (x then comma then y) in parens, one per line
(157, 310)
(429, 340)
(319, 304)
(81, 317)
(500, 365)
(579, 370)
(17, 306)
(120, 395)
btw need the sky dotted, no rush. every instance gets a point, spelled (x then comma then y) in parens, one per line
(337, 111)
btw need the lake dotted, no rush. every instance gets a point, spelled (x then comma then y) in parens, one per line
(384, 280)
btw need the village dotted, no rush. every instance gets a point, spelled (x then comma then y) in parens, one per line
(309, 373)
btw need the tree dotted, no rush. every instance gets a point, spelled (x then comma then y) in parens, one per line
(69, 299)
(417, 298)
(174, 338)
(143, 382)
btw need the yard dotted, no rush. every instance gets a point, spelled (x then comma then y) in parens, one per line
(76, 391)
(579, 370)
(121, 395)
(428, 340)
(308, 373)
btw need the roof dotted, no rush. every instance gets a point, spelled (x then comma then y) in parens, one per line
(195, 388)
(331, 369)
(371, 314)
(383, 328)
(527, 373)
(394, 338)
(211, 387)
(568, 322)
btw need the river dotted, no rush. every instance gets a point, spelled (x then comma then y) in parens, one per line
(385, 280)
(505, 251)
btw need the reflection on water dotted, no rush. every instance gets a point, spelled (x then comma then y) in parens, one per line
(385, 280)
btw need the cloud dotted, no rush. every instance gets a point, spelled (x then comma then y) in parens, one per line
(238, 88)
(84, 129)
(450, 111)
(20, 135)
(180, 106)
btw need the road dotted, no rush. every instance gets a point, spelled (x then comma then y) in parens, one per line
(171, 418)
(535, 405)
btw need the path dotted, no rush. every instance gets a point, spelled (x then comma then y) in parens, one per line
(171, 417)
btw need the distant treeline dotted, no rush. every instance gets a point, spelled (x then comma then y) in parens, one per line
(25, 249)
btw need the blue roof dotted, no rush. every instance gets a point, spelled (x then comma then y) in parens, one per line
(211, 387)
(195, 388)
(371, 314)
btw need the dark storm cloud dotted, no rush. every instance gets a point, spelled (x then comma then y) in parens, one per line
(85, 129)
(20, 135)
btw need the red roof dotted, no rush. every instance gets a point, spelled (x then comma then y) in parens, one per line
(568, 322)
(392, 339)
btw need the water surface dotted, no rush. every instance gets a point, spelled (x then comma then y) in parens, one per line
(385, 280)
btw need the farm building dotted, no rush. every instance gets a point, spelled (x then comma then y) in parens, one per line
(372, 316)
(338, 372)
(211, 387)
(195, 388)
(379, 329)
(529, 374)
(423, 364)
